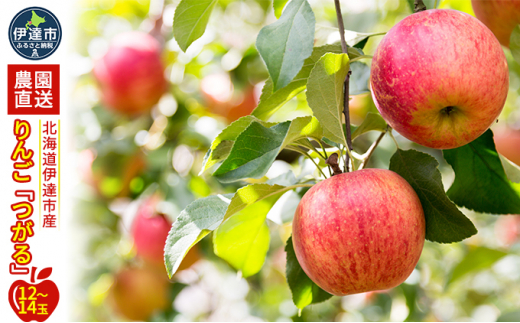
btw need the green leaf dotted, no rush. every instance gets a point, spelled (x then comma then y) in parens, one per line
(271, 101)
(278, 7)
(358, 82)
(243, 239)
(304, 290)
(325, 94)
(253, 152)
(444, 221)
(255, 193)
(373, 121)
(480, 181)
(477, 259)
(190, 20)
(197, 220)
(301, 128)
(221, 146)
(285, 44)
(256, 148)
(353, 39)
(512, 170)
(514, 43)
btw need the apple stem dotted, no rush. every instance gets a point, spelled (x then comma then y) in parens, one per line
(419, 6)
(33, 272)
(333, 162)
(344, 48)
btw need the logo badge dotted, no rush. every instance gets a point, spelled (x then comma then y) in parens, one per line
(33, 89)
(35, 33)
(34, 302)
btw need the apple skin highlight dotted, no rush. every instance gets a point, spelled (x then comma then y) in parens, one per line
(440, 78)
(358, 232)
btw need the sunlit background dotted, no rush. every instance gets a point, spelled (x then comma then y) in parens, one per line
(139, 168)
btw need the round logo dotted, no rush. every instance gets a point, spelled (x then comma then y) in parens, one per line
(35, 33)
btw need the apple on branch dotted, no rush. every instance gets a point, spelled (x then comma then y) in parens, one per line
(440, 78)
(358, 232)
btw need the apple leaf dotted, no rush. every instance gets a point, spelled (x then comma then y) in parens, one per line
(302, 128)
(325, 94)
(304, 290)
(480, 181)
(278, 6)
(512, 170)
(195, 222)
(514, 43)
(355, 39)
(271, 101)
(256, 148)
(255, 193)
(243, 237)
(253, 152)
(221, 146)
(445, 223)
(358, 83)
(44, 273)
(190, 20)
(243, 240)
(285, 44)
(373, 121)
(477, 259)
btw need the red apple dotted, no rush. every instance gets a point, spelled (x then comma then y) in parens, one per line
(507, 142)
(440, 78)
(131, 74)
(501, 16)
(34, 302)
(138, 292)
(358, 232)
(150, 230)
